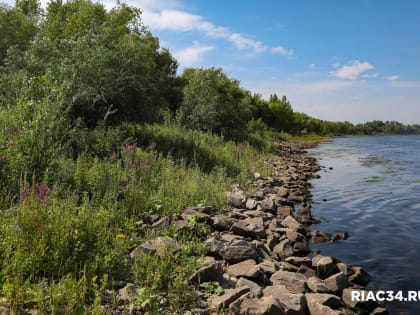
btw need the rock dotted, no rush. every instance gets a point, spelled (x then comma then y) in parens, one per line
(305, 270)
(284, 211)
(354, 302)
(283, 249)
(250, 227)
(162, 222)
(251, 204)
(320, 237)
(221, 222)
(282, 192)
(267, 305)
(344, 268)
(247, 268)
(208, 273)
(317, 285)
(268, 266)
(325, 267)
(292, 224)
(288, 266)
(236, 198)
(293, 281)
(256, 290)
(160, 245)
(272, 240)
(379, 311)
(213, 246)
(298, 261)
(323, 304)
(337, 282)
(267, 204)
(359, 276)
(234, 254)
(340, 236)
(229, 296)
(150, 218)
(128, 293)
(289, 303)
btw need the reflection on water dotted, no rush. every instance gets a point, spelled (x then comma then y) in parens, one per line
(372, 192)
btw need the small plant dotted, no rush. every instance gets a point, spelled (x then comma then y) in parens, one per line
(210, 288)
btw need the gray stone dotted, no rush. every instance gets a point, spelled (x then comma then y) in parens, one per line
(291, 223)
(268, 266)
(323, 304)
(282, 192)
(236, 198)
(229, 296)
(251, 204)
(337, 282)
(354, 303)
(325, 267)
(289, 303)
(305, 270)
(247, 304)
(247, 268)
(250, 227)
(283, 249)
(128, 293)
(160, 245)
(284, 211)
(293, 281)
(317, 285)
(235, 254)
(221, 222)
(298, 261)
(256, 290)
(213, 246)
(359, 276)
(208, 273)
(344, 268)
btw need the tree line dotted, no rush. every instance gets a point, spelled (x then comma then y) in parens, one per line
(106, 65)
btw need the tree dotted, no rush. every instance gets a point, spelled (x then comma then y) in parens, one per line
(214, 102)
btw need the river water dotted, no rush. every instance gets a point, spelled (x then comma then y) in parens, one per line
(373, 193)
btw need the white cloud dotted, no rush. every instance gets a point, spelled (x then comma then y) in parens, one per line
(335, 65)
(192, 55)
(242, 42)
(312, 66)
(392, 77)
(352, 71)
(370, 76)
(281, 51)
(181, 21)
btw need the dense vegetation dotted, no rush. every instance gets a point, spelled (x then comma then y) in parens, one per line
(96, 129)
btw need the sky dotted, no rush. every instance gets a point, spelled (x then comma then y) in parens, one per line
(354, 60)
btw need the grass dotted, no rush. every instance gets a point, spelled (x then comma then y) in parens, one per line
(69, 207)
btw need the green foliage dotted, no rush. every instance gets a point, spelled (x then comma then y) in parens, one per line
(17, 30)
(214, 103)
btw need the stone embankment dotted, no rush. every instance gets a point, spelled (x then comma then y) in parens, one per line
(259, 252)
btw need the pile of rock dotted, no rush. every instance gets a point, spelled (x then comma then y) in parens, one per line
(259, 250)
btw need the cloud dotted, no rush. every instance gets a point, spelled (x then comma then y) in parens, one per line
(242, 42)
(192, 55)
(281, 51)
(370, 76)
(392, 77)
(181, 21)
(335, 65)
(352, 71)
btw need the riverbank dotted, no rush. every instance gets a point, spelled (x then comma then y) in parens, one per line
(258, 258)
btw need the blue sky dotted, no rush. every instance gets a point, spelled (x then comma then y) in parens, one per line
(355, 60)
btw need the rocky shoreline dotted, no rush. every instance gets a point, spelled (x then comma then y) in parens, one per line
(258, 257)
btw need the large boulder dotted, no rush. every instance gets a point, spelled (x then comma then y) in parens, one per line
(323, 304)
(294, 282)
(247, 268)
(289, 303)
(230, 295)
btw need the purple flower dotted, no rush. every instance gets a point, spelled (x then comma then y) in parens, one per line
(43, 190)
(114, 156)
(2, 159)
(24, 193)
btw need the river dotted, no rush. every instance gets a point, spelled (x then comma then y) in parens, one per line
(370, 188)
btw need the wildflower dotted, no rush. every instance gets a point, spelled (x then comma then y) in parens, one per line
(24, 193)
(3, 159)
(114, 156)
(121, 235)
(140, 161)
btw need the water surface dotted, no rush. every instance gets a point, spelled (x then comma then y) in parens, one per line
(373, 192)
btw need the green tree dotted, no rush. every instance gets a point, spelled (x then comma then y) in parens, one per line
(214, 102)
